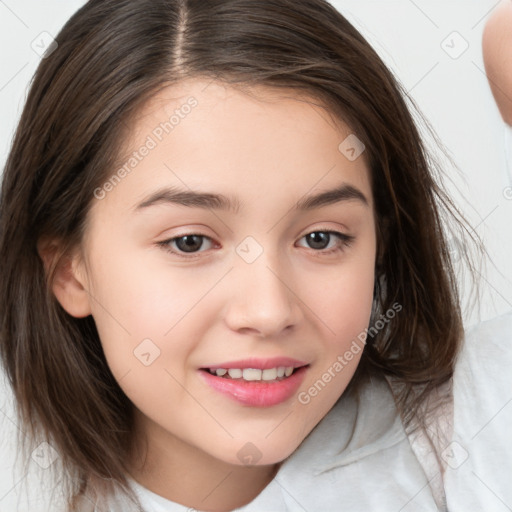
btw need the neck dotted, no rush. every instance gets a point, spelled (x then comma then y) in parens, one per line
(184, 474)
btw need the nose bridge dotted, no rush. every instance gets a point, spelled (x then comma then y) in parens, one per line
(263, 300)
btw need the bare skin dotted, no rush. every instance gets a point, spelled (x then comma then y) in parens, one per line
(211, 306)
(497, 53)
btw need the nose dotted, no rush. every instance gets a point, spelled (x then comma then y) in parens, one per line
(262, 301)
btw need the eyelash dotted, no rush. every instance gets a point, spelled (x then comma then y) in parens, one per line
(343, 242)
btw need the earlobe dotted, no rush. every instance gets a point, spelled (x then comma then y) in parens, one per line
(69, 284)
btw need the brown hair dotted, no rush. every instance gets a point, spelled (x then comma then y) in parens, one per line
(112, 56)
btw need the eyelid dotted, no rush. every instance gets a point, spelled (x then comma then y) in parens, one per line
(345, 240)
(341, 231)
(165, 244)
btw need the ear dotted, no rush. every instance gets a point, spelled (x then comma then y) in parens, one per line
(69, 284)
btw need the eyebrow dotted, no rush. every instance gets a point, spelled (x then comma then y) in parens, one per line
(207, 200)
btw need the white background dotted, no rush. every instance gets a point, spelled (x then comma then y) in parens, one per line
(453, 93)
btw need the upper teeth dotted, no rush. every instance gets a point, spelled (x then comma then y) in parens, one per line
(255, 373)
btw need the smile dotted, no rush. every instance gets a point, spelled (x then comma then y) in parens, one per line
(256, 387)
(252, 374)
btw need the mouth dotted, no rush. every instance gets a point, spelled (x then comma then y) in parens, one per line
(275, 374)
(256, 384)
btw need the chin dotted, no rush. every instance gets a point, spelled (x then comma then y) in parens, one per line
(254, 454)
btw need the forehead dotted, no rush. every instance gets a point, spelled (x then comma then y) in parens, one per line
(208, 135)
(252, 97)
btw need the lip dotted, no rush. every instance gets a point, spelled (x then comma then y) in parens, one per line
(257, 393)
(258, 363)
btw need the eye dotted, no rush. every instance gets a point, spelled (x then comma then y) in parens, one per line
(187, 244)
(327, 241)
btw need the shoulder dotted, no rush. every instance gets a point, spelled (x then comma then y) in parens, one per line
(483, 375)
(479, 457)
(486, 354)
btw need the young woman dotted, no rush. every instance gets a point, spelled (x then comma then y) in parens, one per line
(226, 282)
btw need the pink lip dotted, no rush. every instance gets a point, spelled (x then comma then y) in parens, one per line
(257, 393)
(261, 364)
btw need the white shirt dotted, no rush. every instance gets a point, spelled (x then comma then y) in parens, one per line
(359, 458)
(483, 422)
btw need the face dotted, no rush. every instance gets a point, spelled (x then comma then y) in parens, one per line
(218, 249)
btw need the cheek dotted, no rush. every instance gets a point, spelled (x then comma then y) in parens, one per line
(138, 313)
(343, 305)
(141, 295)
(343, 299)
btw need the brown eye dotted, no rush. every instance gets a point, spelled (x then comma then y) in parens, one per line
(189, 243)
(326, 241)
(318, 239)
